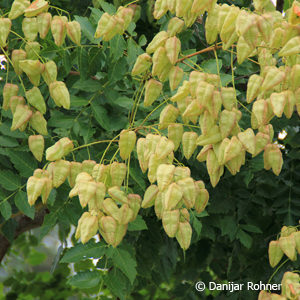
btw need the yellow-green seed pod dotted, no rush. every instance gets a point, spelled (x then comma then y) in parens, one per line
(211, 30)
(75, 169)
(175, 132)
(50, 72)
(142, 64)
(275, 253)
(183, 7)
(227, 122)
(36, 7)
(33, 69)
(100, 173)
(126, 143)
(175, 26)
(61, 148)
(17, 8)
(292, 47)
(260, 110)
(5, 26)
(278, 101)
(290, 104)
(16, 56)
(170, 220)
(60, 94)
(44, 23)
(86, 191)
(253, 87)
(296, 236)
(189, 145)
(182, 92)
(172, 196)
(273, 77)
(126, 14)
(158, 41)
(32, 50)
(30, 28)
(35, 98)
(243, 50)
(9, 90)
(59, 170)
(294, 81)
(102, 27)
(184, 235)
(173, 47)
(88, 228)
(273, 158)
(108, 227)
(117, 173)
(14, 102)
(88, 166)
(193, 110)
(167, 116)
(150, 196)
(175, 77)
(206, 122)
(228, 27)
(34, 188)
(110, 207)
(36, 145)
(181, 173)
(164, 175)
(161, 64)
(202, 197)
(164, 148)
(117, 194)
(160, 8)
(38, 123)
(288, 246)
(21, 116)
(158, 206)
(247, 138)
(261, 140)
(204, 94)
(189, 191)
(74, 32)
(153, 165)
(153, 89)
(135, 201)
(214, 136)
(58, 29)
(140, 149)
(228, 97)
(202, 156)
(233, 149)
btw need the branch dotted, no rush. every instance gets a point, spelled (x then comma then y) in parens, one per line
(78, 74)
(24, 224)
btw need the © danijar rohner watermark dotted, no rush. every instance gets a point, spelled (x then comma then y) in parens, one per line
(234, 287)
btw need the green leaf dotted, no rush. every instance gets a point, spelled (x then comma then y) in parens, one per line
(100, 115)
(251, 228)
(5, 130)
(36, 258)
(136, 174)
(138, 224)
(81, 252)
(245, 238)
(6, 141)
(5, 209)
(87, 85)
(107, 7)
(225, 79)
(85, 280)
(117, 70)
(124, 261)
(197, 225)
(23, 205)
(9, 180)
(48, 224)
(23, 162)
(83, 62)
(228, 226)
(123, 101)
(117, 47)
(210, 66)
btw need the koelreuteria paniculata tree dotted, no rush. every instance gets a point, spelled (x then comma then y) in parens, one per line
(202, 116)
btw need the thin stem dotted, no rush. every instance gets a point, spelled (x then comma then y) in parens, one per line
(57, 9)
(93, 143)
(218, 67)
(8, 197)
(128, 172)
(137, 105)
(102, 281)
(278, 268)
(131, 3)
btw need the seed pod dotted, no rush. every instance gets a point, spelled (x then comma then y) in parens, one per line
(175, 26)
(168, 115)
(173, 47)
(111, 208)
(261, 140)
(33, 69)
(117, 194)
(182, 92)
(164, 148)
(15, 101)
(247, 138)
(227, 122)
(60, 94)
(158, 41)
(290, 103)
(102, 27)
(260, 110)
(172, 197)
(170, 220)
(181, 173)
(108, 227)
(228, 98)
(268, 130)
(58, 29)
(153, 89)
(158, 206)
(202, 197)
(288, 246)
(34, 188)
(273, 77)
(35, 98)
(38, 123)
(9, 90)
(184, 235)
(142, 64)
(21, 116)
(5, 26)
(211, 30)
(100, 173)
(202, 156)
(17, 8)
(140, 149)
(59, 170)
(44, 23)
(296, 236)
(150, 196)
(135, 204)
(175, 132)
(214, 136)
(189, 191)
(16, 56)
(164, 175)
(74, 32)
(193, 110)
(228, 27)
(117, 173)
(75, 169)
(61, 148)
(160, 8)
(32, 50)
(292, 47)
(126, 143)
(182, 8)
(86, 192)
(161, 64)
(278, 101)
(175, 77)
(35, 8)
(273, 158)
(189, 144)
(204, 94)
(153, 165)
(36, 145)
(275, 253)
(95, 203)
(243, 50)
(50, 72)
(88, 228)
(206, 122)
(126, 14)
(30, 28)
(88, 166)
(233, 149)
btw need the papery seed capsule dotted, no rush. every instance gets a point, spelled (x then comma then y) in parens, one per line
(142, 64)
(161, 64)
(170, 220)
(16, 56)
(153, 89)
(247, 138)
(38, 123)
(203, 153)
(108, 227)
(172, 196)
(260, 110)
(158, 41)
(44, 23)
(36, 7)
(32, 50)
(9, 90)
(15, 101)
(36, 145)
(75, 169)
(58, 29)
(50, 72)
(273, 77)
(150, 196)
(233, 149)
(30, 28)
(60, 94)
(227, 122)
(164, 148)
(158, 206)
(184, 235)
(175, 26)
(182, 8)
(35, 98)
(291, 47)
(189, 191)
(290, 103)
(296, 236)
(33, 69)
(110, 207)
(173, 47)
(102, 25)
(101, 173)
(126, 14)
(88, 166)
(117, 194)
(17, 8)
(89, 228)
(228, 98)
(34, 188)
(206, 122)
(182, 92)
(86, 191)
(21, 116)
(175, 132)
(160, 8)
(134, 201)
(243, 50)
(164, 175)
(288, 246)
(74, 32)
(61, 148)
(295, 77)
(228, 27)
(153, 165)
(211, 30)
(168, 115)
(202, 197)
(273, 158)
(278, 101)
(5, 26)
(275, 253)
(126, 143)
(181, 173)
(261, 140)
(189, 144)
(140, 149)
(253, 87)
(175, 77)
(59, 170)
(117, 173)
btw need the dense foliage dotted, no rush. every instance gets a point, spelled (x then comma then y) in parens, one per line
(224, 83)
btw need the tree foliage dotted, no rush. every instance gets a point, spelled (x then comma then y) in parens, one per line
(121, 120)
